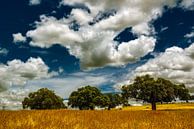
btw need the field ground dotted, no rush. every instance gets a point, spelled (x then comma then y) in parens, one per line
(128, 118)
(178, 106)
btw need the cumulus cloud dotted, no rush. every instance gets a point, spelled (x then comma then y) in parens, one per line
(187, 4)
(128, 12)
(175, 63)
(81, 16)
(16, 72)
(18, 38)
(94, 47)
(93, 44)
(34, 2)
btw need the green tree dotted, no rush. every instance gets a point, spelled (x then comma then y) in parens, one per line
(192, 97)
(182, 92)
(102, 101)
(153, 90)
(43, 99)
(114, 100)
(87, 98)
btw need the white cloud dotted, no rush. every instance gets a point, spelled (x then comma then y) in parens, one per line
(129, 12)
(93, 45)
(34, 2)
(143, 28)
(18, 38)
(17, 73)
(187, 4)
(175, 63)
(164, 29)
(65, 85)
(51, 31)
(3, 51)
(81, 16)
(190, 35)
(12, 99)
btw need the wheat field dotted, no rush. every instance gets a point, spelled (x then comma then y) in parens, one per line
(115, 119)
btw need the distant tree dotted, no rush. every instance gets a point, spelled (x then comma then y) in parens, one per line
(182, 92)
(43, 99)
(153, 90)
(87, 98)
(102, 101)
(114, 100)
(192, 97)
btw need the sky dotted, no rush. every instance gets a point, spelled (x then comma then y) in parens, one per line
(66, 44)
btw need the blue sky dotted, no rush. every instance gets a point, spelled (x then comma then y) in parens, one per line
(65, 44)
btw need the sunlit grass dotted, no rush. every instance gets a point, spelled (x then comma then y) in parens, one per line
(179, 106)
(115, 119)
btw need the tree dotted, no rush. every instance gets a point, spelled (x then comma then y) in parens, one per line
(87, 98)
(43, 99)
(192, 97)
(153, 90)
(182, 92)
(114, 100)
(102, 101)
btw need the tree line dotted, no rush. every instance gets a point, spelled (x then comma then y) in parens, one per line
(146, 88)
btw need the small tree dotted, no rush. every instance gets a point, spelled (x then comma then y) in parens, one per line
(182, 92)
(87, 98)
(153, 90)
(43, 99)
(114, 100)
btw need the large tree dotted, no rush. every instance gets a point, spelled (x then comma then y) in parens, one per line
(154, 90)
(87, 98)
(43, 99)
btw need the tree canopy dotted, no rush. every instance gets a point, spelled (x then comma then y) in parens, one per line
(87, 98)
(153, 90)
(114, 100)
(43, 99)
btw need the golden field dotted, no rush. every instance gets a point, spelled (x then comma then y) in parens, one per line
(179, 106)
(128, 118)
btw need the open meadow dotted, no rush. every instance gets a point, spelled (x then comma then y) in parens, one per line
(181, 116)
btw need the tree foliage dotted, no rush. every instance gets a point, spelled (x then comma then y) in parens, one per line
(114, 100)
(87, 98)
(182, 92)
(43, 99)
(153, 90)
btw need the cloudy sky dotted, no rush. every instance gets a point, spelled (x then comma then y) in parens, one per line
(65, 44)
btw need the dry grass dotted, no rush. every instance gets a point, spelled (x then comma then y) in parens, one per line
(179, 106)
(65, 119)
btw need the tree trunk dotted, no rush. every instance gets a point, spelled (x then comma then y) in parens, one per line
(153, 105)
(153, 100)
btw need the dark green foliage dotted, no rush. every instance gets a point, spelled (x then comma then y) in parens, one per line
(114, 100)
(87, 98)
(43, 99)
(102, 101)
(182, 92)
(192, 97)
(153, 90)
